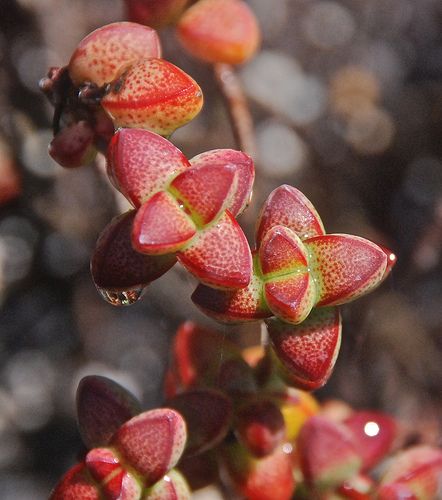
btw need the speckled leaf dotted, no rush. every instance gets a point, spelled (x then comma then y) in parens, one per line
(76, 484)
(141, 163)
(155, 13)
(172, 486)
(205, 191)
(291, 297)
(116, 266)
(102, 407)
(374, 433)
(160, 226)
(152, 442)
(153, 94)
(245, 304)
(220, 31)
(287, 206)
(308, 351)
(243, 165)
(281, 252)
(345, 267)
(207, 413)
(106, 52)
(219, 255)
(327, 453)
(414, 473)
(260, 426)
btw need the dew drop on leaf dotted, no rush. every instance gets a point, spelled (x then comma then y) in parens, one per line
(121, 297)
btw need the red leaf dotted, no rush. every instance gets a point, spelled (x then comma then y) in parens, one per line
(308, 351)
(153, 12)
(73, 146)
(242, 164)
(153, 94)
(345, 267)
(141, 163)
(327, 453)
(374, 433)
(288, 207)
(245, 304)
(117, 267)
(152, 442)
(160, 226)
(219, 255)
(267, 478)
(196, 353)
(205, 191)
(260, 426)
(76, 484)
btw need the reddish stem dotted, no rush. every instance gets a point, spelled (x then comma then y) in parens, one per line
(238, 108)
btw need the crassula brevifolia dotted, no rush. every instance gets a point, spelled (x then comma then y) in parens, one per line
(116, 78)
(185, 210)
(133, 454)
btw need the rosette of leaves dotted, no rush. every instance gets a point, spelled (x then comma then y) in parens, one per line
(300, 275)
(132, 454)
(184, 210)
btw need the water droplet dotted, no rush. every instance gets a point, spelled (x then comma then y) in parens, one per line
(121, 297)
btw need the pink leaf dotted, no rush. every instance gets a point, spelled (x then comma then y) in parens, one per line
(327, 453)
(172, 486)
(140, 163)
(219, 255)
(205, 191)
(76, 484)
(106, 52)
(160, 226)
(153, 94)
(345, 266)
(415, 473)
(286, 206)
(152, 442)
(308, 351)
(242, 164)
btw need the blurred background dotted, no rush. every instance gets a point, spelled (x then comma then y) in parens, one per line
(347, 101)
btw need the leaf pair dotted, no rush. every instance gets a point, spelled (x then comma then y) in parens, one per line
(185, 211)
(298, 267)
(132, 456)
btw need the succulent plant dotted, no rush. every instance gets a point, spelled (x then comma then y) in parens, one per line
(133, 455)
